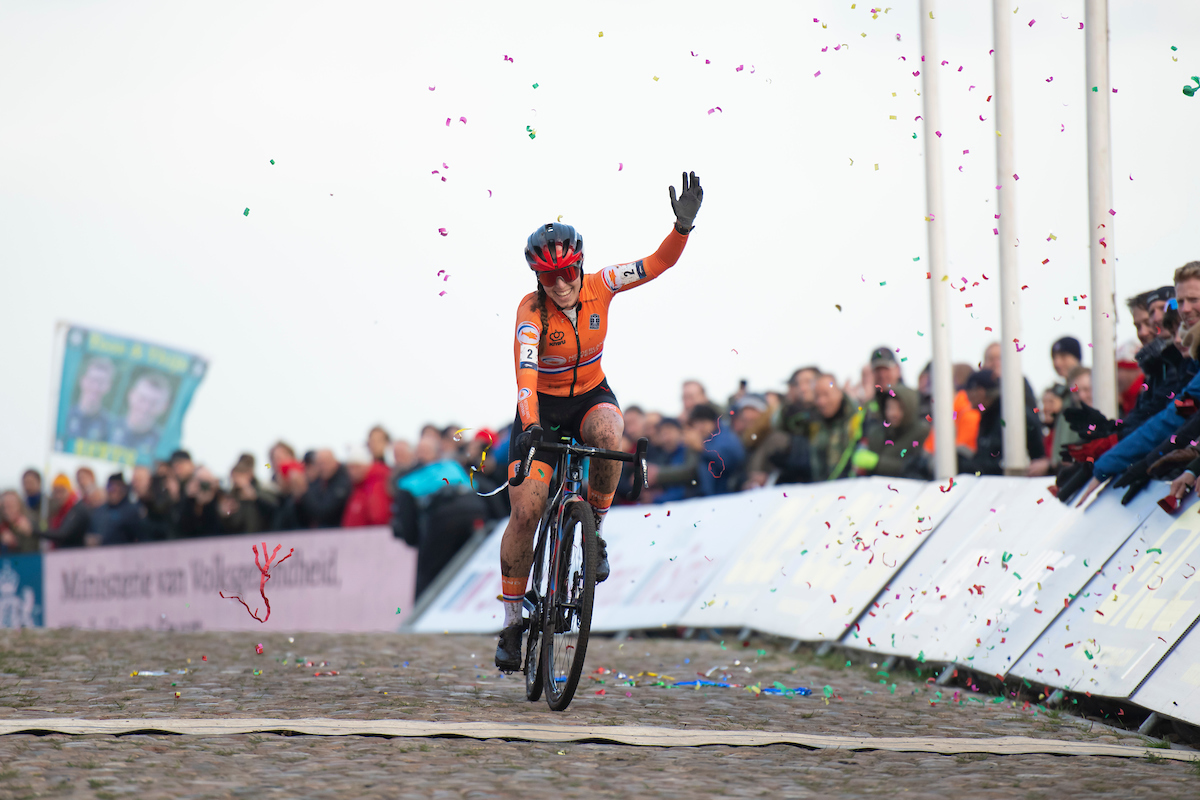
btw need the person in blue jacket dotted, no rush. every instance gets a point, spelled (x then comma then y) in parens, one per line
(1147, 435)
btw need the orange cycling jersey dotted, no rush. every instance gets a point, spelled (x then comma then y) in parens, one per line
(569, 360)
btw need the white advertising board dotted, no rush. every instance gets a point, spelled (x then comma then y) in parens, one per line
(1174, 687)
(335, 581)
(841, 568)
(1127, 617)
(935, 602)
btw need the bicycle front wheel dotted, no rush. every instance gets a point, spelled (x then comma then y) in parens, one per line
(571, 587)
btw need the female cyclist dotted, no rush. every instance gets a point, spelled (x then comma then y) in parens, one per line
(560, 385)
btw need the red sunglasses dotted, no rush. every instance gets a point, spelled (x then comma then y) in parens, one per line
(550, 278)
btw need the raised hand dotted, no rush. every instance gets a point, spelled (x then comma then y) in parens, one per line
(687, 205)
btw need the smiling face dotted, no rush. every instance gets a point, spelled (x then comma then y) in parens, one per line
(1187, 292)
(565, 294)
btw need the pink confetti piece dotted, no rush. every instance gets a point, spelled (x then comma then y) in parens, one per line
(441, 294)
(739, 68)
(1110, 211)
(825, 48)
(1031, 22)
(463, 120)
(443, 232)
(718, 108)
(1081, 26)
(706, 61)
(939, 134)
(917, 117)
(506, 58)
(1016, 177)
(816, 74)
(447, 122)
(916, 73)
(981, 119)
(965, 152)
(489, 191)
(1051, 78)
(944, 63)
(620, 166)
(431, 88)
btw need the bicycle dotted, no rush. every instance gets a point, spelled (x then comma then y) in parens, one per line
(559, 603)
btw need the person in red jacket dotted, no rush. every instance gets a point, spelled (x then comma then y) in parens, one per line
(368, 503)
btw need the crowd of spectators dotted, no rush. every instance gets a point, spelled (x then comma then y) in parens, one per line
(814, 429)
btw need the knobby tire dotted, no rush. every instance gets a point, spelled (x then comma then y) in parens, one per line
(567, 618)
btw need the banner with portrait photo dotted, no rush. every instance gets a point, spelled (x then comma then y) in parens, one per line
(121, 399)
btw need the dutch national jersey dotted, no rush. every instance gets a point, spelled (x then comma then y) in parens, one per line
(569, 364)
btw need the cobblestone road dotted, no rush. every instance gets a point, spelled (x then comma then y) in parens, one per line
(87, 674)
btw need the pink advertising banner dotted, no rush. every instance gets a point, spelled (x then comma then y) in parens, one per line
(340, 580)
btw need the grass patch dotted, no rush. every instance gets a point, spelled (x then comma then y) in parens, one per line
(1154, 758)
(1160, 744)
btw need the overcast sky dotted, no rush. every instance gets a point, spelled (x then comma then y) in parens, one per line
(133, 136)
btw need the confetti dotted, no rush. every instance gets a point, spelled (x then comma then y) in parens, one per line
(620, 166)
(506, 58)
(1191, 91)
(246, 213)
(272, 161)
(443, 232)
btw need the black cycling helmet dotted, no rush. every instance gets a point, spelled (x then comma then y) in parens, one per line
(554, 246)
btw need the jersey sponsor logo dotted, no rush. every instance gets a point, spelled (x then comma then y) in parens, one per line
(554, 361)
(523, 394)
(527, 333)
(557, 337)
(527, 365)
(594, 322)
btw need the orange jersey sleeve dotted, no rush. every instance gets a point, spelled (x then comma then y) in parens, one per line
(621, 277)
(525, 357)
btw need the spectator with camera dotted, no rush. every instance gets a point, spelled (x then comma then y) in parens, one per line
(328, 492)
(247, 507)
(199, 507)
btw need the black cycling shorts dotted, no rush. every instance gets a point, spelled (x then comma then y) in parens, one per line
(563, 416)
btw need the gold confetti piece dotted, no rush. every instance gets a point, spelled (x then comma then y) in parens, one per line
(864, 36)
(893, 94)
(601, 34)
(892, 116)
(877, 168)
(1052, 236)
(560, 217)
(655, 77)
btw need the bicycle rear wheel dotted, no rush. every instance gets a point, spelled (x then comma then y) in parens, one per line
(568, 600)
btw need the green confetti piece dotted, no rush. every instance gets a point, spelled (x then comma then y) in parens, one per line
(883, 673)
(1017, 575)
(762, 652)
(918, 258)
(802, 552)
(997, 699)
(246, 213)
(828, 690)
(1154, 550)
(921, 657)
(847, 663)
(397, 609)
(1095, 88)
(1089, 655)
(892, 688)
(1006, 556)
(535, 86)
(1173, 47)
(914, 136)
(272, 161)
(883, 283)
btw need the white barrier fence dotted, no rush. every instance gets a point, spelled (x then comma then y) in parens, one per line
(359, 579)
(989, 573)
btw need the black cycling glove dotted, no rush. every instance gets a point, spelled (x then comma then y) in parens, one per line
(1072, 479)
(687, 205)
(1137, 477)
(1089, 423)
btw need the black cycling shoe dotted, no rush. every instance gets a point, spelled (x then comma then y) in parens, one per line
(508, 650)
(602, 568)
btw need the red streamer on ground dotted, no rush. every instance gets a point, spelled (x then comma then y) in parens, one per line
(262, 583)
